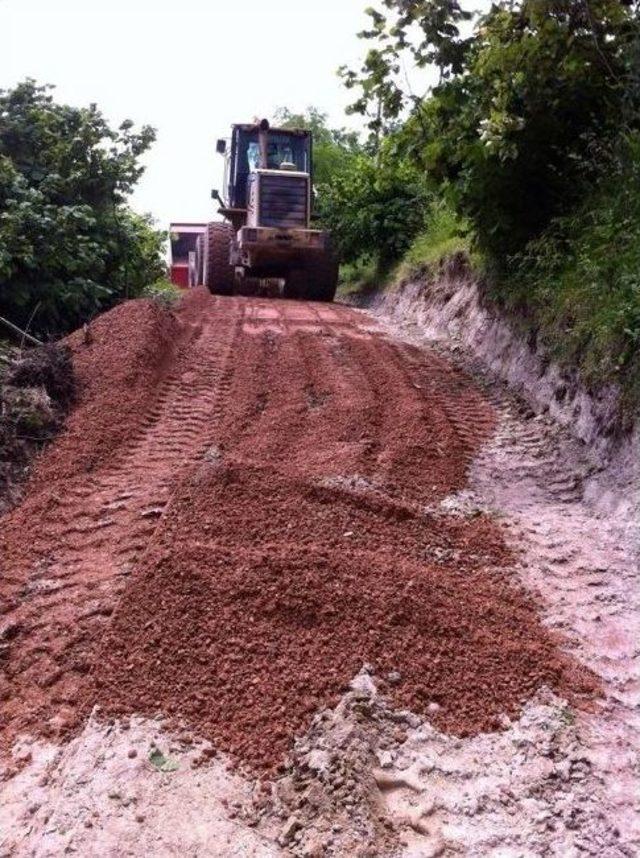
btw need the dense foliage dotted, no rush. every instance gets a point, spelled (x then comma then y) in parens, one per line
(69, 245)
(581, 279)
(527, 147)
(373, 209)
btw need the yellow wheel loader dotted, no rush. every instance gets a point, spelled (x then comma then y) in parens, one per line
(266, 244)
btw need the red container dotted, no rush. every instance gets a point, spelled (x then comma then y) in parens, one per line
(183, 238)
(180, 275)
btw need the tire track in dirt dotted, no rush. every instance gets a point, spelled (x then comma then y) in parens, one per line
(274, 499)
(582, 559)
(316, 530)
(66, 577)
(373, 383)
(295, 430)
(572, 522)
(291, 557)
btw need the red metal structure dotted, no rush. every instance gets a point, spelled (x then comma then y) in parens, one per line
(183, 238)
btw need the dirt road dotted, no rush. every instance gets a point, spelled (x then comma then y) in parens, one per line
(252, 501)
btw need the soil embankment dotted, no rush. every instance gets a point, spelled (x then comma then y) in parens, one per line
(37, 389)
(245, 507)
(448, 305)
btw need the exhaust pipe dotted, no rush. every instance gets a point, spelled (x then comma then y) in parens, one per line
(263, 138)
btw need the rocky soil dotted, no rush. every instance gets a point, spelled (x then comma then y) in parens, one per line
(295, 582)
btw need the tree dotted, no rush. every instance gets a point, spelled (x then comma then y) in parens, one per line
(69, 245)
(333, 148)
(527, 108)
(374, 208)
(536, 116)
(425, 31)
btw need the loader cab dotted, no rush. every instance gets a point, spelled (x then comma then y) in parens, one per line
(287, 149)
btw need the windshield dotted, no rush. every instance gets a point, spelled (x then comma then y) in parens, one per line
(281, 149)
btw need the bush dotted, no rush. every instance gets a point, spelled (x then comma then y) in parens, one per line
(163, 291)
(69, 245)
(373, 209)
(580, 281)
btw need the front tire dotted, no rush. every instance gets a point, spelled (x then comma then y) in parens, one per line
(218, 275)
(322, 278)
(295, 284)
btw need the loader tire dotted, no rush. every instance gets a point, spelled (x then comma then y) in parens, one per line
(322, 279)
(200, 260)
(219, 274)
(295, 284)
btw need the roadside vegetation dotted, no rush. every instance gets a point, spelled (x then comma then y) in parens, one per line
(163, 291)
(70, 247)
(37, 388)
(524, 154)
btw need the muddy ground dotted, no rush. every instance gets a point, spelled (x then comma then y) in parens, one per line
(292, 581)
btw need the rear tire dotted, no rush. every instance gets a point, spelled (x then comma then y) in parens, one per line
(322, 278)
(295, 284)
(317, 282)
(219, 275)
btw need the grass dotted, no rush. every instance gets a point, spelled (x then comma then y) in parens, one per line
(445, 235)
(579, 287)
(163, 291)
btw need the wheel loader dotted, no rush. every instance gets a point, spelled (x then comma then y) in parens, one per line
(265, 245)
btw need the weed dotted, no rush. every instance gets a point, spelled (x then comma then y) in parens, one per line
(445, 235)
(162, 763)
(164, 292)
(567, 716)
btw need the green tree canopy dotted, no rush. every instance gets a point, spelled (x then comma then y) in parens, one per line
(69, 245)
(527, 108)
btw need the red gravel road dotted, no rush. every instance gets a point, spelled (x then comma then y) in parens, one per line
(242, 511)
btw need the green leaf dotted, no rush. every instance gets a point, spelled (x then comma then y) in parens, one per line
(162, 763)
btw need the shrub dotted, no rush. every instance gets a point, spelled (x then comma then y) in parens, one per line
(69, 245)
(162, 291)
